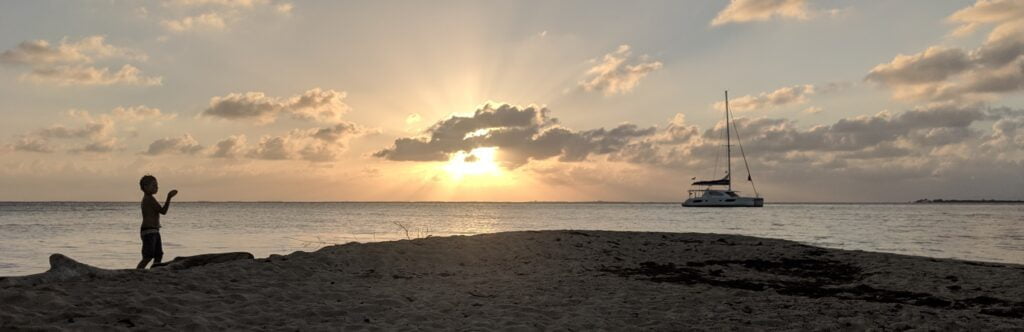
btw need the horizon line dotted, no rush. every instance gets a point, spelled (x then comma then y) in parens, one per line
(503, 202)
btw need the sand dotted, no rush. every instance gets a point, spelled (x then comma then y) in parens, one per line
(564, 280)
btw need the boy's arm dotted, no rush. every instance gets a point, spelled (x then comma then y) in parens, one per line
(163, 209)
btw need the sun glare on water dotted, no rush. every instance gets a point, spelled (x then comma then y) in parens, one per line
(479, 161)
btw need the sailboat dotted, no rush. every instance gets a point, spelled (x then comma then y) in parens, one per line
(719, 193)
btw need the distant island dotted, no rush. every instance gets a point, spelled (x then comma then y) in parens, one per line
(966, 201)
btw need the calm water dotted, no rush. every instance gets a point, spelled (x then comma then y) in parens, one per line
(106, 234)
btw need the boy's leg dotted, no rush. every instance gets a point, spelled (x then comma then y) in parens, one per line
(158, 249)
(142, 264)
(147, 251)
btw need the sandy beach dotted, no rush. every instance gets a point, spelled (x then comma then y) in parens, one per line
(565, 280)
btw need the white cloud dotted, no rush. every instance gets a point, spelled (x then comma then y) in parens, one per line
(790, 95)
(212, 21)
(743, 11)
(618, 72)
(214, 15)
(140, 113)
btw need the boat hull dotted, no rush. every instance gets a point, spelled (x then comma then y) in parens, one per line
(724, 202)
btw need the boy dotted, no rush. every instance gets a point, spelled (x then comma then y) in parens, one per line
(152, 249)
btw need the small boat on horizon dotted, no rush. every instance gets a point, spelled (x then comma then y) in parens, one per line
(719, 193)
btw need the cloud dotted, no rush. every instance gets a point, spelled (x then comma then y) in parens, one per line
(337, 132)
(743, 11)
(791, 95)
(618, 72)
(183, 145)
(71, 62)
(86, 50)
(520, 133)
(88, 75)
(934, 64)
(917, 132)
(215, 15)
(986, 12)
(140, 113)
(93, 133)
(955, 74)
(212, 21)
(314, 144)
(313, 105)
(32, 144)
(272, 148)
(231, 147)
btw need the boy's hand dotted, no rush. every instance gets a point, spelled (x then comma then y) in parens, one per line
(172, 193)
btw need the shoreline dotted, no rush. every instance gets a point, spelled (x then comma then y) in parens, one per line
(538, 279)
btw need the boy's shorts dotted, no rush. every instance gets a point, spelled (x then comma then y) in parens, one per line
(152, 246)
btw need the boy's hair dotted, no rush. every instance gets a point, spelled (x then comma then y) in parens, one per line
(146, 180)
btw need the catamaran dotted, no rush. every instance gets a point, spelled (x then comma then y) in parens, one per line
(719, 193)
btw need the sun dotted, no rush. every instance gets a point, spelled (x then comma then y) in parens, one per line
(477, 162)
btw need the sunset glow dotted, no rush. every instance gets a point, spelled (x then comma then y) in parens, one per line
(296, 101)
(478, 162)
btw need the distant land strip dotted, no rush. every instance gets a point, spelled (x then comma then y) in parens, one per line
(967, 201)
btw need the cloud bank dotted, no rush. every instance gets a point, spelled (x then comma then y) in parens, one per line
(520, 133)
(954, 74)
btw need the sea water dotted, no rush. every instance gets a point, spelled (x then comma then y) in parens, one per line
(107, 234)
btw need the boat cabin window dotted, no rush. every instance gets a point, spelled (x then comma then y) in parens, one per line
(732, 194)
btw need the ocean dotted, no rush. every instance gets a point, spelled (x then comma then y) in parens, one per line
(107, 235)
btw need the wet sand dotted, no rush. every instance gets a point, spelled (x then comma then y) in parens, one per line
(575, 280)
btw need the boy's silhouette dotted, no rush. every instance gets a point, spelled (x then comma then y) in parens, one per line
(152, 248)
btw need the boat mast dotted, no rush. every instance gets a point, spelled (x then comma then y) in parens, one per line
(728, 146)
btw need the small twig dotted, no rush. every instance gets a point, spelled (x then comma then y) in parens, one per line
(407, 237)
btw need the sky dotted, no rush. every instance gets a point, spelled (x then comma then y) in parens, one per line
(272, 100)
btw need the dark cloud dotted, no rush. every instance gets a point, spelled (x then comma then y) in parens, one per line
(313, 105)
(337, 132)
(772, 142)
(271, 148)
(521, 134)
(99, 146)
(32, 144)
(316, 144)
(88, 130)
(231, 147)
(934, 64)
(184, 145)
